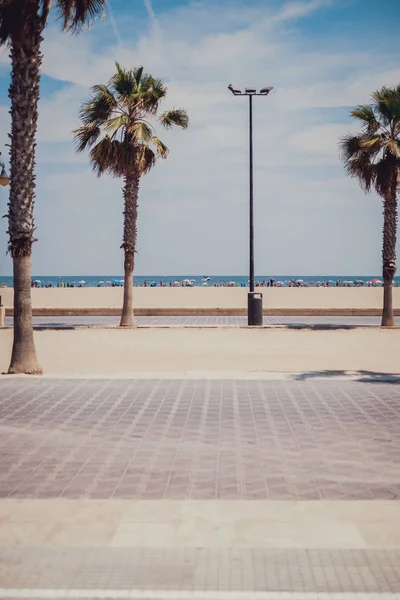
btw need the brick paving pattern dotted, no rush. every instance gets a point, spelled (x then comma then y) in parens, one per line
(201, 569)
(244, 439)
(206, 321)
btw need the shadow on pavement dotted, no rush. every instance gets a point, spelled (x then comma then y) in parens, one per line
(360, 376)
(323, 326)
(55, 326)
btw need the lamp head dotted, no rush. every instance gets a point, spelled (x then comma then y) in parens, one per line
(251, 90)
(4, 178)
(234, 91)
(266, 90)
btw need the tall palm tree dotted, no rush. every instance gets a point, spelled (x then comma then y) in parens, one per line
(117, 127)
(373, 157)
(21, 28)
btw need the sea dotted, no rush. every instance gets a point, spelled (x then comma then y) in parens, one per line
(196, 280)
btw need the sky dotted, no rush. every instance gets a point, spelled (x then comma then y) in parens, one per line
(322, 57)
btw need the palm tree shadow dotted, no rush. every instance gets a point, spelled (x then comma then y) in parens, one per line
(322, 326)
(359, 376)
(54, 326)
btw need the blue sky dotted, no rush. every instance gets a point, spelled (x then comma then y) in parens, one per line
(322, 57)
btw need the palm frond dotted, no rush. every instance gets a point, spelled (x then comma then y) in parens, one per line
(16, 17)
(142, 131)
(387, 104)
(371, 142)
(349, 146)
(138, 75)
(357, 160)
(146, 159)
(177, 116)
(387, 169)
(373, 156)
(75, 14)
(159, 88)
(86, 136)
(99, 108)
(361, 168)
(123, 82)
(107, 157)
(151, 91)
(393, 147)
(115, 123)
(366, 115)
(161, 149)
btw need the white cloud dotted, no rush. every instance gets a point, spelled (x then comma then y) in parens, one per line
(297, 10)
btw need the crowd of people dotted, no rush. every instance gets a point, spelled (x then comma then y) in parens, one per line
(207, 282)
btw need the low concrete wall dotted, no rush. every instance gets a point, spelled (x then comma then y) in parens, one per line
(165, 312)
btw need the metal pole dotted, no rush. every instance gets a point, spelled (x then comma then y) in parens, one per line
(251, 207)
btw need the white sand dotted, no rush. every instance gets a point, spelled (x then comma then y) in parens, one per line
(124, 352)
(167, 297)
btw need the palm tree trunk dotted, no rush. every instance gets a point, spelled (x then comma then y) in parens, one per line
(389, 254)
(26, 60)
(131, 193)
(23, 359)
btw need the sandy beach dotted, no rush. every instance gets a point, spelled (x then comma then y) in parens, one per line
(205, 299)
(129, 352)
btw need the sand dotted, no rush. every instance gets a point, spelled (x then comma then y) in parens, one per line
(140, 351)
(206, 298)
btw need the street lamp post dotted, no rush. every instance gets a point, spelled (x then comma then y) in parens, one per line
(4, 178)
(254, 300)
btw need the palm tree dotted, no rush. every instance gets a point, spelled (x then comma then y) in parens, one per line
(21, 28)
(117, 127)
(373, 157)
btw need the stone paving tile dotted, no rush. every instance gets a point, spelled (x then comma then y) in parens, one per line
(243, 439)
(205, 321)
(202, 569)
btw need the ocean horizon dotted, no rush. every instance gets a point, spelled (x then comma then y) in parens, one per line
(197, 280)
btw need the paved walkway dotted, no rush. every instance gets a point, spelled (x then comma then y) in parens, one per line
(212, 439)
(210, 489)
(207, 321)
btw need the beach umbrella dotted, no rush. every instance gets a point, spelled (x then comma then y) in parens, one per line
(299, 280)
(108, 282)
(330, 281)
(82, 282)
(375, 281)
(206, 284)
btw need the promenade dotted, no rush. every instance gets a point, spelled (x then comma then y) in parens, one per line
(193, 458)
